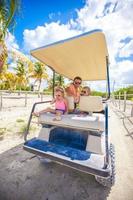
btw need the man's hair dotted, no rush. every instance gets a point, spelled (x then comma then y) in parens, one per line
(77, 77)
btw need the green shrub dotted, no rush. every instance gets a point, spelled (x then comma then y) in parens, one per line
(97, 93)
(20, 120)
(2, 131)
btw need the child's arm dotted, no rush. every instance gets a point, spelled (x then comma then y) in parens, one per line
(53, 101)
(66, 104)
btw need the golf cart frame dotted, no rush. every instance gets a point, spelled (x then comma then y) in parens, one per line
(54, 56)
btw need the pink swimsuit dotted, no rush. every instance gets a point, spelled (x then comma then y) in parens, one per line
(60, 105)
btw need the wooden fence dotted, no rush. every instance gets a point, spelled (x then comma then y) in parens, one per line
(24, 96)
(122, 102)
(124, 107)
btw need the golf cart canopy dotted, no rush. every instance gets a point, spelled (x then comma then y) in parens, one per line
(84, 55)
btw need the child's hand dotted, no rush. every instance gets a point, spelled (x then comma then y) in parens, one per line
(76, 99)
(37, 114)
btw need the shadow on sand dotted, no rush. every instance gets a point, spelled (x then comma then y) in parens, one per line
(24, 177)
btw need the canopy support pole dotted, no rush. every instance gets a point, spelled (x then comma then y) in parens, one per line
(53, 82)
(108, 80)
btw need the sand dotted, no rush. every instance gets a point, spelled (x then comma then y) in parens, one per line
(14, 117)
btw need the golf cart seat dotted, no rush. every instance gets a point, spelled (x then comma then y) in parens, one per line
(90, 103)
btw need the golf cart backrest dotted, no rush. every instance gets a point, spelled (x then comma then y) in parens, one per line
(70, 100)
(91, 104)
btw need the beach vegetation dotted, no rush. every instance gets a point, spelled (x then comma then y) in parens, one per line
(20, 120)
(8, 11)
(128, 90)
(38, 72)
(23, 128)
(59, 81)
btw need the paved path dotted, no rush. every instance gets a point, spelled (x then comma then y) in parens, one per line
(23, 177)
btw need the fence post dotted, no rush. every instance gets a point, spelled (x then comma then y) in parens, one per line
(125, 98)
(1, 101)
(38, 94)
(114, 100)
(25, 99)
(41, 96)
(132, 111)
(119, 100)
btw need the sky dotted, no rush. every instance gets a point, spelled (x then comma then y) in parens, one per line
(43, 22)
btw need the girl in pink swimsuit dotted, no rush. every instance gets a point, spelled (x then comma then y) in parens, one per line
(61, 104)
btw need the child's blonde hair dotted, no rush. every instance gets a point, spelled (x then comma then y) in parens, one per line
(60, 89)
(87, 89)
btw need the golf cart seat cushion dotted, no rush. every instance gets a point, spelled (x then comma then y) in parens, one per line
(91, 103)
(69, 121)
(44, 146)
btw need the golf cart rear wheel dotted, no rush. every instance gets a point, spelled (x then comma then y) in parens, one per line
(109, 181)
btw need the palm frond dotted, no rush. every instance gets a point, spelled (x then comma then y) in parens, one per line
(8, 12)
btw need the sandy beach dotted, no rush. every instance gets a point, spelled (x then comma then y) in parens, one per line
(14, 116)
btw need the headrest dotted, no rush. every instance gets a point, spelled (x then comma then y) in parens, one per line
(90, 103)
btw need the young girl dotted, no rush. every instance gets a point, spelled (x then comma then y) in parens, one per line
(61, 104)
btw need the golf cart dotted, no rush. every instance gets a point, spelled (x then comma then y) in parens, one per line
(78, 142)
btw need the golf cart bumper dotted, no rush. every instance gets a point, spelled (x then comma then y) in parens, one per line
(94, 164)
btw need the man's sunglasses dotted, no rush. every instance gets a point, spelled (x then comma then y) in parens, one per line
(77, 83)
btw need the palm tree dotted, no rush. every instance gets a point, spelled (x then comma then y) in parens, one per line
(8, 10)
(10, 80)
(3, 74)
(59, 81)
(39, 73)
(21, 74)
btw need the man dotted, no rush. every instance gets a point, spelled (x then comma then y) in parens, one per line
(74, 89)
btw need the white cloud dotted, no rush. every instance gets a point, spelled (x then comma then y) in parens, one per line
(47, 34)
(127, 50)
(53, 15)
(11, 42)
(116, 25)
(122, 73)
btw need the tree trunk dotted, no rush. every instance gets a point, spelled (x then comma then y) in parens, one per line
(39, 84)
(3, 54)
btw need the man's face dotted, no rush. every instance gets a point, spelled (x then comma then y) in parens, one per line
(77, 82)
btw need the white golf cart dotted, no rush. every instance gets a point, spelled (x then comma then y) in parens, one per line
(75, 141)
